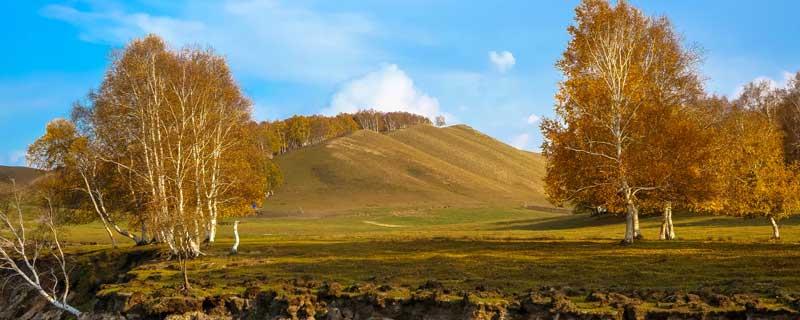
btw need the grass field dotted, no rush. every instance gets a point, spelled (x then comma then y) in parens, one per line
(507, 250)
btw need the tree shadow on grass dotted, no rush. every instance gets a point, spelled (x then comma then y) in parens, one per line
(518, 265)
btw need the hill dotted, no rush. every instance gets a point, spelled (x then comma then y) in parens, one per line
(22, 175)
(419, 166)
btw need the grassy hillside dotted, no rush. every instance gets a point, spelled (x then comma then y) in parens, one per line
(416, 167)
(22, 175)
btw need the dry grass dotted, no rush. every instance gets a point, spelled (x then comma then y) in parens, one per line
(414, 167)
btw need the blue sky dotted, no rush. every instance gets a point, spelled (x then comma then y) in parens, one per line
(487, 64)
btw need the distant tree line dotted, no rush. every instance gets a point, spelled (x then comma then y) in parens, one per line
(282, 136)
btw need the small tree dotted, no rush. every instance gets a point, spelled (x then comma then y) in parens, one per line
(20, 253)
(67, 154)
(687, 167)
(440, 121)
(757, 182)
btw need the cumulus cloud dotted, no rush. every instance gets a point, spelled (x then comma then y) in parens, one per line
(267, 39)
(387, 89)
(534, 118)
(772, 83)
(502, 61)
(521, 141)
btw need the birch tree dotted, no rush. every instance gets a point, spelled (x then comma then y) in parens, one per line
(620, 69)
(63, 152)
(23, 254)
(687, 166)
(789, 118)
(758, 182)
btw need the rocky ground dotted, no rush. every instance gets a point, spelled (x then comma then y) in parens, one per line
(312, 300)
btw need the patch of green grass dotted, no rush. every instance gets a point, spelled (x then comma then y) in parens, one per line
(510, 250)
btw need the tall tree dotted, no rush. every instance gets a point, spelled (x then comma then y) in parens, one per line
(167, 138)
(623, 72)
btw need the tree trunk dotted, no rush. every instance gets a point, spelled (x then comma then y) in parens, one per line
(144, 240)
(99, 207)
(212, 230)
(671, 226)
(110, 234)
(629, 225)
(186, 286)
(667, 229)
(68, 308)
(235, 248)
(194, 247)
(776, 232)
(58, 304)
(637, 233)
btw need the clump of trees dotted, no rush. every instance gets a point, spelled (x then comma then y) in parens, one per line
(760, 168)
(166, 141)
(166, 147)
(635, 131)
(296, 132)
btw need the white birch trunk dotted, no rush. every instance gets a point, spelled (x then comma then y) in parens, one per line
(637, 233)
(629, 225)
(671, 226)
(235, 248)
(776, 232)
(212, 232)
(667, 229)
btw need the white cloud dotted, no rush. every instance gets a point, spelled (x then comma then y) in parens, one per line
(521, 141)
(534, 119)
(13, 158)
(772, 83)
(267, 39)
(387, 89)
(502, 61)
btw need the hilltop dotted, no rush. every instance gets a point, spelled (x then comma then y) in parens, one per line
(418, 166)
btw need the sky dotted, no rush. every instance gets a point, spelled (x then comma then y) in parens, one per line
(487, 64)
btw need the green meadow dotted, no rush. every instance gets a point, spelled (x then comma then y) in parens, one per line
(507, 251)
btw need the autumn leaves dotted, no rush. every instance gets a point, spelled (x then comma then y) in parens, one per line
(635, 131)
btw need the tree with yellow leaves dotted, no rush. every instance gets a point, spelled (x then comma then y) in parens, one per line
(757, 181)
(73, 164)
(625, 75)
(169, 136)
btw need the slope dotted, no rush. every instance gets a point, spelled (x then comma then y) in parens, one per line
(23, 176)
(416, 167)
